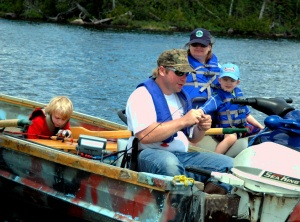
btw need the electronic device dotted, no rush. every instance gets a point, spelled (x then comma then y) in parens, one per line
(91, 145)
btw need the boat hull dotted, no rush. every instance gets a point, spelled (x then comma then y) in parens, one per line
(57, 177)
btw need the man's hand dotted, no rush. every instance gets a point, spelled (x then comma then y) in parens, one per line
(197, 116)
(205, 122)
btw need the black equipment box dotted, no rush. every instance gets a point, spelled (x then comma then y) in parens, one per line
(91, 145)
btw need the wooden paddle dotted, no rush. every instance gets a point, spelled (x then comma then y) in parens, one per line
(76, 131)
(14, 122)
(217, 131)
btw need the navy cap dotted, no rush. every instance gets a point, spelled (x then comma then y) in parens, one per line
(201, 36)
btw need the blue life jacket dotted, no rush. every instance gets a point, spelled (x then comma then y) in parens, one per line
(161, 106)
(228, 114)
(200, 85)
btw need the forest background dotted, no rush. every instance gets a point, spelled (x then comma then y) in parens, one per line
(260, 18)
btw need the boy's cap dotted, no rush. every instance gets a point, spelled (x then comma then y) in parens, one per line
(230, 70)
(200, 35)
(176, 58)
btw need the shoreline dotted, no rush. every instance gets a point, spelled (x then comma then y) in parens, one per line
(154, 30)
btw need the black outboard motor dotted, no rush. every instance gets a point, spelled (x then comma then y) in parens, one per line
(269, 106)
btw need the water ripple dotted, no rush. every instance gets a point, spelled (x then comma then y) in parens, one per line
(99, 69)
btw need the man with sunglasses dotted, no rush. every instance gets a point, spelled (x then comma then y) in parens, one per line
(160, 115)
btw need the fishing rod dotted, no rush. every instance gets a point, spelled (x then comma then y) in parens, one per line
(42, 136)
(136, 141)
(211, 131)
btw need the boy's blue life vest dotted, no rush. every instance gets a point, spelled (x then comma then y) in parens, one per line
(200, 85)
(231, 115)
(161, 106)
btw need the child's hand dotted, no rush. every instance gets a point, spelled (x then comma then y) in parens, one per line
(64, 133)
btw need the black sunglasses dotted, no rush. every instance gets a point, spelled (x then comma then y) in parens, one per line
(177, 73)
(198, 44)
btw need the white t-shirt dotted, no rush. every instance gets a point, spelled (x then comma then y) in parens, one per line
(140, 105)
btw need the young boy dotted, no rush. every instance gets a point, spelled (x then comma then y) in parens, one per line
(228, 114)
(52, 120)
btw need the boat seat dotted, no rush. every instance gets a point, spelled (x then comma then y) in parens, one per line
(122, 115)
(68, 146)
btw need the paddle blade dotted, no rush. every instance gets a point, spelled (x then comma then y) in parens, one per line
(14, 122)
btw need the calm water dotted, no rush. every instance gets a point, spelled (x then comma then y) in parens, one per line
(99, 69)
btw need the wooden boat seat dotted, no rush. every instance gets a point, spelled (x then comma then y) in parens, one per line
(111, 146)
(68, 146)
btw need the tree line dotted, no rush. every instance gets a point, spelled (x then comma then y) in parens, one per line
(237, 17)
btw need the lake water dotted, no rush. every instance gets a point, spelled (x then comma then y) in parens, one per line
(98, 69)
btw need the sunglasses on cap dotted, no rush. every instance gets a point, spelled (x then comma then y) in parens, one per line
(198, 44)
(177, 73)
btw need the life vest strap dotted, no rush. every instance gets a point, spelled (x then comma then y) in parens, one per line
(196, 83)
(235, 122)
(207, 73)
(233, 112)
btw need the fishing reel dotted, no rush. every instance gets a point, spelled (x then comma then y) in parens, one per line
(64, 133)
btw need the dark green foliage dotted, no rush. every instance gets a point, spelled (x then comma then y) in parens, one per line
(278, 17)
(8, 6)
(49, 7)
(251, 25)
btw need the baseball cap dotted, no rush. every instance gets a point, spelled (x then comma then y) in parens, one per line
(176, 58)
(230, 70)
(200, 35)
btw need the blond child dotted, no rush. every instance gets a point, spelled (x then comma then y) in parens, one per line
(54, 119)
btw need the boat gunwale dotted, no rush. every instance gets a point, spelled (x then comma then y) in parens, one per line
(92, 166)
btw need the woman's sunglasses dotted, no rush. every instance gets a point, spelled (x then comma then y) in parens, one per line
(177, 73)
(198, 44)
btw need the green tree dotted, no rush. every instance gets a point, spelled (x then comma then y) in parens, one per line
(258, 17)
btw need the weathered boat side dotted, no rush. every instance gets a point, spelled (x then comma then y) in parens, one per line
(53, 174)
(90, 186)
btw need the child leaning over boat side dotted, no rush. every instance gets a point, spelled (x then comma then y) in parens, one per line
(54, 119)
(228, 114)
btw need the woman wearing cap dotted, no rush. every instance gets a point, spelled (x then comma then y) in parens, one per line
(200, 85)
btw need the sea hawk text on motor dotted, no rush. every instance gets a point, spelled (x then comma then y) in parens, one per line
(281, 178)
